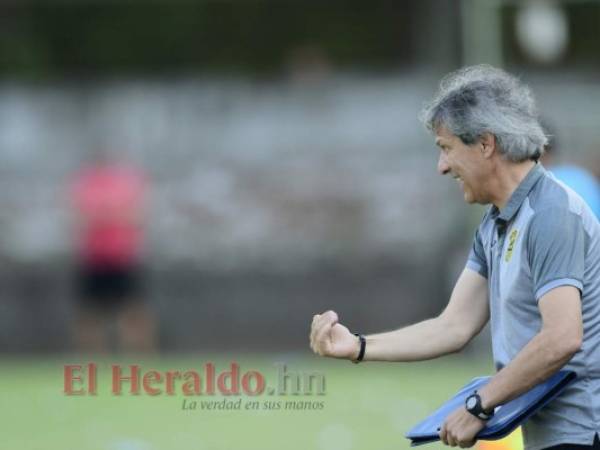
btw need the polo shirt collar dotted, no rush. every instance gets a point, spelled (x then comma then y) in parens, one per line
(520, 194)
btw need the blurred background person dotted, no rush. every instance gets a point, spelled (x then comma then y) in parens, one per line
(578, 178)
(108, 199)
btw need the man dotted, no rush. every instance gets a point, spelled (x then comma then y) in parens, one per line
(534, 269)
(108, 199)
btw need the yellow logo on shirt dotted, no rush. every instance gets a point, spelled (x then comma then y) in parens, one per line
(511, 245)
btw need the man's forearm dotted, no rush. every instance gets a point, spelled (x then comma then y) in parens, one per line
(424, 340)
(537, 361)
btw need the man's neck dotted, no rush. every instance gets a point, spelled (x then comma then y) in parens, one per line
(506, 179)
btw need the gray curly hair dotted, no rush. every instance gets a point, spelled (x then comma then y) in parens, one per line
(483, 99)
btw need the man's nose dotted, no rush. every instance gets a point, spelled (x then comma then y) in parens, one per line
(443, 167)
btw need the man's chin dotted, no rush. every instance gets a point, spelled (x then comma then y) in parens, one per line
(475, 201)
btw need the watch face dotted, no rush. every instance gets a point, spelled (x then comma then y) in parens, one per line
(471, 402)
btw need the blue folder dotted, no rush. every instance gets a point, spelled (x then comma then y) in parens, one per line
(506, 418)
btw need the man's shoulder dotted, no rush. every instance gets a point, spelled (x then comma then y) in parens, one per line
(550, 194)
(552, 198)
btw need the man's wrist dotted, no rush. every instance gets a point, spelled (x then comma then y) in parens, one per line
(485, 400)
(361, 348)
(474, 405)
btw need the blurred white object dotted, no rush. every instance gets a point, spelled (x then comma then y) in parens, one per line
(542, 30)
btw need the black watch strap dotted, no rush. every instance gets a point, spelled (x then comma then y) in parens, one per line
(473, 405)
(363, 347)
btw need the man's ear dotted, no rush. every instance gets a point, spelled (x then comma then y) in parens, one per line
(487, 143)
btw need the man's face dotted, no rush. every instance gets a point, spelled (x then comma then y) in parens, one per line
(465, 163)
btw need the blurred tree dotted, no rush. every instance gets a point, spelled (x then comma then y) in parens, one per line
(108, 37)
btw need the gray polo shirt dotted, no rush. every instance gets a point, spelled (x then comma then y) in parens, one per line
(546, 236)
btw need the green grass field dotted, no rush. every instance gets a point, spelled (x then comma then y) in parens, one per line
(367, 406)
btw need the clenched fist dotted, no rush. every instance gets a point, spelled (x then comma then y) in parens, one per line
(330, 338)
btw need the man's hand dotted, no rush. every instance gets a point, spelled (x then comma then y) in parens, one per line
(460, 428)
(329, 338)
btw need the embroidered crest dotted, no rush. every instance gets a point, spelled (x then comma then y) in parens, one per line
(511, 245)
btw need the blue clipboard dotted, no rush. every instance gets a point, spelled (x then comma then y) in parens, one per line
(506, 418)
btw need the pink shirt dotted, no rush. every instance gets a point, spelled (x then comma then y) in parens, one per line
(108, 201)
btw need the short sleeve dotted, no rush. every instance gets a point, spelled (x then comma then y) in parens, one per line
(556, 250)
(476, 260)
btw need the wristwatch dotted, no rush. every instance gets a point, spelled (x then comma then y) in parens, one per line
(473, 405)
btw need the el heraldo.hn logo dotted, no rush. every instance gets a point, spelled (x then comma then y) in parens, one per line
(83, 380)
